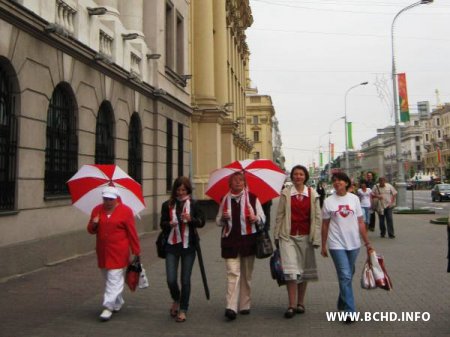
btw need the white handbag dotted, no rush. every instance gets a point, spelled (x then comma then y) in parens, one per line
(143, 281)
(367, 278)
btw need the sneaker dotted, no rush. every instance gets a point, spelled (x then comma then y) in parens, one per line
(106, 315)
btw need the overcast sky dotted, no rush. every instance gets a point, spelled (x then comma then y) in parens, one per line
(306, 54)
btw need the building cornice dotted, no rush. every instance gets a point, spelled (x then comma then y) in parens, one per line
(27, 21)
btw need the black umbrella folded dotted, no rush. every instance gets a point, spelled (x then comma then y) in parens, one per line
(202, 268)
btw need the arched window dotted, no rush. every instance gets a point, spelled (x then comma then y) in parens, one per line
(8, 142)
(104, 136)
(135, 149)
(61, 151)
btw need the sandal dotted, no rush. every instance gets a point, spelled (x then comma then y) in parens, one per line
(174, 309)
(181, 317)
(300, 309)
(289, 313)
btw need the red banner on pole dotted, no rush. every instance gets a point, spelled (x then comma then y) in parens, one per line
(403, 97)
(332, 150)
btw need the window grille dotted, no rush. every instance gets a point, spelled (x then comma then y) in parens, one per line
(180, 149)
(135, 149)
(8, 144)
(62, 143)
(104, 138)
(169, 153)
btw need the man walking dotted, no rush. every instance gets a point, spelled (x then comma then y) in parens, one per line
(370, 183)
(385, 195)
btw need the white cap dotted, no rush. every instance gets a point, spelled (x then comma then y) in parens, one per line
(110, 192)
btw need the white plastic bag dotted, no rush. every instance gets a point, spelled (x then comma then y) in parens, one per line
(367, 278)
(143, 281)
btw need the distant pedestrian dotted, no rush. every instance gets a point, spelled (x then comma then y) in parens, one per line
(180, 218)
(384, 196)
(342, 226)
(266, 208)
(370, 182)
(297, 233)
(321, 192)
(113, 224)
(365, 195)
(240, 216)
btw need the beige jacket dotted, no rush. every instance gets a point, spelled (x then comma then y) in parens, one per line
(283, 220)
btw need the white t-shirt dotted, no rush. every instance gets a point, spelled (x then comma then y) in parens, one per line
(343, 212)
(364, 197)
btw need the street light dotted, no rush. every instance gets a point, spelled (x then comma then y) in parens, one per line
(401, 184)
(329, 145)
(347, 165)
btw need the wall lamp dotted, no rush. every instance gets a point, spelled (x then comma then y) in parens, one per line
(186, 77)
(153, 56)
(130, 36)
(97, 10)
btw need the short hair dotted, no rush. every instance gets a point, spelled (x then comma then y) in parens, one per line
(180, 181)
(300, 167)
(341, 176)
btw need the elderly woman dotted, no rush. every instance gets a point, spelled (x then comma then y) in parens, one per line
(297, 232)
(342, 226)
(113, 223)
(180, 216)
(240, 216)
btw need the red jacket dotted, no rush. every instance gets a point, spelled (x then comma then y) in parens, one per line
(115, 236)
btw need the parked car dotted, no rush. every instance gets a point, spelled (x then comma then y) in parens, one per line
(440, 192)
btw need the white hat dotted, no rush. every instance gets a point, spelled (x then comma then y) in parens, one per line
(110, 192)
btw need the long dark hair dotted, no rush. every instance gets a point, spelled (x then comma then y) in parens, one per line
(180, 181)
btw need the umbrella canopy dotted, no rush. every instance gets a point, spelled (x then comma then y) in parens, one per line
(87, 184)
(264, 179)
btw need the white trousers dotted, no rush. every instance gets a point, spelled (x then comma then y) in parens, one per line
(114, 283)
(239, 277)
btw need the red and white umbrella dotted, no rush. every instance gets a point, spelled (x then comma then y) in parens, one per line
(264, 179)
(87, 184)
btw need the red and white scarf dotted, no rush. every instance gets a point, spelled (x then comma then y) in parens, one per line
(179, 233)
(246, 209)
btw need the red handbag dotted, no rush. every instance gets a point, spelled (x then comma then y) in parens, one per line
(133, 272)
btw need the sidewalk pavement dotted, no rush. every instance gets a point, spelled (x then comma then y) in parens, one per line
(65, 300)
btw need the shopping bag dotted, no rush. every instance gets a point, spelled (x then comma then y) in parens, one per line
(367, 278)
(382, 279)
(276, 269)
(143, 280)
(133, 273)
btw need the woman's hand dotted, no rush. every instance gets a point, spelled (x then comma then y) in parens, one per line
(226, 215)
(186, 217)
(324, 252)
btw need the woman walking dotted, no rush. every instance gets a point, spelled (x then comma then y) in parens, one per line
(180, 216)
(365, 196)
(342, 226)
(297, 232)
(240, 216)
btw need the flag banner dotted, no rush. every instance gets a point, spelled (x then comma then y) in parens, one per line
(332, 151)
(403, 97)
(320, 159)
(439, 154)
(349, 135)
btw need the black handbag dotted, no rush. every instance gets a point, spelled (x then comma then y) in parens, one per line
(264, 247)
(161, 242)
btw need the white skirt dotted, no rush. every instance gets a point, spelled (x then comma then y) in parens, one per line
(298, 259)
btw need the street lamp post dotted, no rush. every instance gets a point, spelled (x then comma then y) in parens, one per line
(401, 184)
(347, 164)
(329, 145)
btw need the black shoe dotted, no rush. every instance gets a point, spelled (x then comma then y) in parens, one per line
(371, 229)
(245, 312)
(392, 236)
(382, 235)
(348, 320)
(230, 314)
(290, 312)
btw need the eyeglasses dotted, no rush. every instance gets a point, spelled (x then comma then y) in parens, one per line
(108, 199)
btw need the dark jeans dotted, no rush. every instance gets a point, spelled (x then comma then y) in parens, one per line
(387, 214)
(372, 221)
(187, 262)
